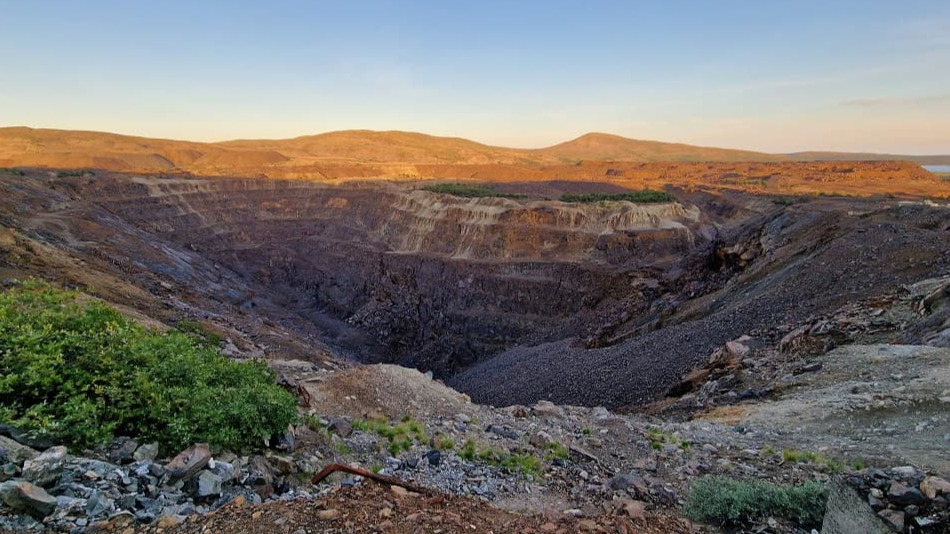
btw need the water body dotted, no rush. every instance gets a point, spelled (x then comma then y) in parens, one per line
(937, 168)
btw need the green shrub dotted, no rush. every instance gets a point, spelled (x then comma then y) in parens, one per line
(469, 191)
(724, 501)
(645, 196)
(76, 173)
(83, 373)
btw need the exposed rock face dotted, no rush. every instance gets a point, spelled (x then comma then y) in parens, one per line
(23, 496)
(513, 301)
(396, 274)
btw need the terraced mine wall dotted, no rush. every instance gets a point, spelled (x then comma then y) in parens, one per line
(509, 300)
(427, 279)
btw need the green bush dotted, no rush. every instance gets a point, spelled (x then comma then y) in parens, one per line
(645, 196)
(728, 502)
(83, 373)
(469, 191)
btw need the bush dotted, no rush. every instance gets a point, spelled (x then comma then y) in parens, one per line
(469, 191)
(728, 502)
(82, 373)
(645, 196)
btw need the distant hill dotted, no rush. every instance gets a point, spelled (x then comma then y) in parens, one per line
(867, 156)
(355, 153)
(607, 147)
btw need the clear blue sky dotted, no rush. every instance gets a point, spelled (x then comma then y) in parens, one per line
(769, 75)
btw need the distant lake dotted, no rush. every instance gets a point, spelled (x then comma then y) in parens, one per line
(937, 168)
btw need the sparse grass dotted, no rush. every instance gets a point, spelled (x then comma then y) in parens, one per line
(343, 449)
(75, 173)
(658, 439)
(524, 463)
(727, 502)
(444, 443)
(16, 172)
(586, 431)
(555, 450)
(401, 436)
(645, 196)
(810, 457)
(469, 191)
(312, 422)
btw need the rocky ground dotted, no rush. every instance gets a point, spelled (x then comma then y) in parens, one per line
(779, 406)
(810, 343)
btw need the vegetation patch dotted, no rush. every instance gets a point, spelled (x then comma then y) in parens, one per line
(400, 436)
(658, 439)
(641, 197)
(83, 373)
(469, 191)
(524, 463)
(15, 172)
(727, 502)
(76, 173)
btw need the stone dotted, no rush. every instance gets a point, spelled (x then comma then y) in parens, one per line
(209, 485)
(146, 452)
(847, 513)
(340, 427)
(624, 482)
(905, 471)
(283, 464)
(904, 495)
(261, 477)
(122, 450)
(328, 515)
(23, 496)
(188, 462)
(434, 457)
(167, 521)
(737, 349)
(41, 442)
(222, 469)
(15, 451)
(540, 439)
(893, 517)
(98, 504)
(399, 491)
(517, 411)
(45, 469)
(634, 509)
(547, 409)
(503, 431)
(932, 486)
(285, 441)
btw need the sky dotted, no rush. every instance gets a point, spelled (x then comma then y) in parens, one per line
(776, 76)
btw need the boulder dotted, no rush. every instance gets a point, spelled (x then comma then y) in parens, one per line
(148, 451)
(23, 437)
(15, 451)
(847, 513)
(547, 409)
(737, 349)
(23, 496)
(340, 427)
(188, 462)
(209, 485)
(122, 450)
(45, 469)
(932, 486)
(904, 495)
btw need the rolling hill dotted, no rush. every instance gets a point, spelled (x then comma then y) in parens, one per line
(355, 153)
